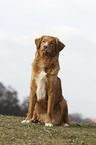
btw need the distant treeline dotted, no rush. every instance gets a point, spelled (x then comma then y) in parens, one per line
(10, 105)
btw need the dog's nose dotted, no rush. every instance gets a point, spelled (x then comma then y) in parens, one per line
(45, 46)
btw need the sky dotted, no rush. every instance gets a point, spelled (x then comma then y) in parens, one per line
(74, 23)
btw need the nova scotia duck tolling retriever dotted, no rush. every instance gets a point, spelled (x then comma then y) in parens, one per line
(46, 102)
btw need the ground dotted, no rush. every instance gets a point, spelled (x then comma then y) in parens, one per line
(12, 132)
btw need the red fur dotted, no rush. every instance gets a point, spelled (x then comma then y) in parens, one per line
(53, 107)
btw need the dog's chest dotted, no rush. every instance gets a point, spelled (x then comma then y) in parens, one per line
(40, 82)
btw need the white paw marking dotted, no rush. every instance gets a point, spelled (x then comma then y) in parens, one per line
(32, 119)
(27, 121)
(49, 124)
(66, 125)
(24, 121)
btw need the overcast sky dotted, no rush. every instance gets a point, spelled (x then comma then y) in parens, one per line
(74, 23)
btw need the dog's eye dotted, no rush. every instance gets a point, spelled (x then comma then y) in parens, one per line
(52, 42)
(43, 41)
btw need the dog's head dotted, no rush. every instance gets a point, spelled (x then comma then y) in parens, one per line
(49, 45)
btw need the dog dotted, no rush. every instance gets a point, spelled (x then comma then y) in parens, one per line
(46, 102)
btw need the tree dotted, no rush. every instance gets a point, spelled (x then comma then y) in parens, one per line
(9, 103)
(78, 118)
(24, 106)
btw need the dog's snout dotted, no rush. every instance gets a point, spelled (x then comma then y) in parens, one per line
(45, 46)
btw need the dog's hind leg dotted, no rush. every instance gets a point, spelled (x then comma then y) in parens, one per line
(64, 112)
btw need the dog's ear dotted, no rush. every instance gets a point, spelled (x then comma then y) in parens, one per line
(59, 45)
(38, 42)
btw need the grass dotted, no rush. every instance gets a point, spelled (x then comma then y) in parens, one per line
(12, 132)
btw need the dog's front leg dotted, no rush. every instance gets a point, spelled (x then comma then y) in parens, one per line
(32, 102)
(49, 109)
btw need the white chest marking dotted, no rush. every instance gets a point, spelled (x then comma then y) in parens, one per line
(40, 82)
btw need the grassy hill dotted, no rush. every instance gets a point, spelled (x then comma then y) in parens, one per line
(12, 132)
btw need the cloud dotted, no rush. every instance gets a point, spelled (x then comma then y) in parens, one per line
(45, 3)
(4, 52)
(65, 32)
(94, 40)
(62, 32)
(22, 41)
(3, 36)
(89, 1)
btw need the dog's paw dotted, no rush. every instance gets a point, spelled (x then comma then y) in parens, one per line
(49, 124)
(32, 119)
(26, 121)
(66, 125)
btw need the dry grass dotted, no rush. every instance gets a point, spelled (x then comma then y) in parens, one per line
(12, 132)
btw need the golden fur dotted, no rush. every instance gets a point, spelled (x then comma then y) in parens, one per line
(52, 107)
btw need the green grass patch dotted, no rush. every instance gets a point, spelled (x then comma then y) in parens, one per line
(13, 132)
